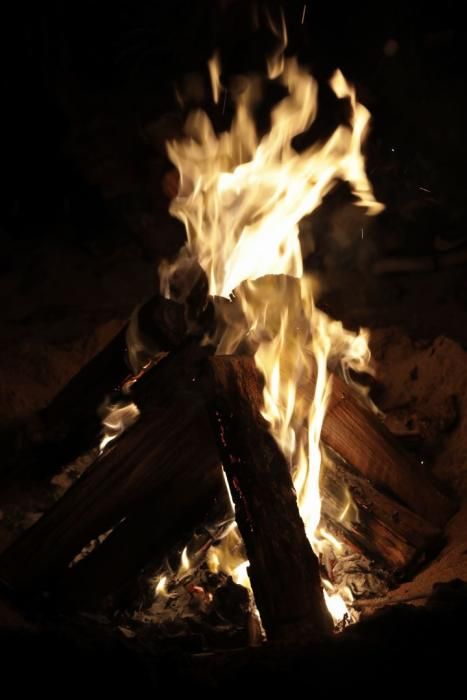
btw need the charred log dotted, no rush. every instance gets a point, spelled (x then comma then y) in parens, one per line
(167, 464)
(372, 523)
(168, 454)
(283, 569)
(72, 424)
(361, 440)
(165, 517)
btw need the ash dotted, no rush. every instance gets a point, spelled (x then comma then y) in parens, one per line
(200, 608)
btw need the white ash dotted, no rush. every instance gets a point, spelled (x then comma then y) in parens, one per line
(353, 571)
(199, 597)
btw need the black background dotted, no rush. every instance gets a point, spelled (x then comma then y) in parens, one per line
(50, 51)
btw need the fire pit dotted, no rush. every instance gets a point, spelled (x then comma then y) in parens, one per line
(233, 470)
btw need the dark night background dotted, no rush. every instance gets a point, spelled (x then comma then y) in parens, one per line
(65, 65)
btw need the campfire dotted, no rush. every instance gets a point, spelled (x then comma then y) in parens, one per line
(234, 453)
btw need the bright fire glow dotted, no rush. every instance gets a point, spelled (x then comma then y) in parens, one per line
(241, 199)
(228, 557)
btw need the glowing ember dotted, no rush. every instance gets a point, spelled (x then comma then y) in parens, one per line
(241, 199)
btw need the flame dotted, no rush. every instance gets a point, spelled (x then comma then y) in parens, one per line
(228, 556)
(336, 604)
(184, 563)
(241, 199)
(116, 419)
(215, 75)
(161, 587)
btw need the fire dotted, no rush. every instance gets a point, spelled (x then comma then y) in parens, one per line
(228, 556)
(116, 418)
(241, 198)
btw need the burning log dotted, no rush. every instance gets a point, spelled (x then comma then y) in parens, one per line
(156, 388)
(283, 569)
(71, 424)
(350, 429)
(166, 515)
(363, 442)
(167, 462)
(106, 577)
(158, 480)
(370, 452)
(400, 536)
(373, 523)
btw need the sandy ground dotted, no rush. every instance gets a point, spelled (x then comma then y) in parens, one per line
(426, 392)
(61, 303)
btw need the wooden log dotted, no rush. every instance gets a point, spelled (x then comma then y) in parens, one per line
(373, 523)
(166, 517)
(284, 575)
(283, 569)
(376, 525)
(122, 479)
(349, 428)
(71, 424)
(169, 450)
(385, 530)
(362, 441)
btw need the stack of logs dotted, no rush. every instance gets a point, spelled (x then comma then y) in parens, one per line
(163, 477)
